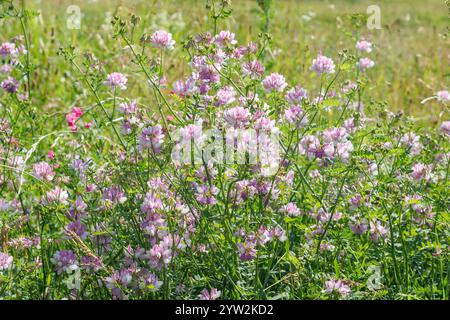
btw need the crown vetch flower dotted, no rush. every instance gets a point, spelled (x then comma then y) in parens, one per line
(365, 63)
(225, 95)
(296, 115)
(6, 69)
(56, 195)
(247, 250)
(364, 46)
(445, 127)
(225, 38)
(377, 230)
(10, 85)
(237, 117)
(116, 80)
(274, 82)
(8, 49)
(114, 195)
(296, 95)
(323, 65)
(5, 261)
(337, 286)
(213, 294)
(358, 226)
(44, 171)
(253, 69)
(443, 96)
(162, 39)
(78, 228)
(421, 171)
(291, 209)
(152, 137)
(64, 260)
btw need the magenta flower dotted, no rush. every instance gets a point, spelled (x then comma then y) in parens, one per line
(152, 137)
(253, 69)
(225, 38)
(43, 171)
(443, 96)
(206, 195)
(162, 39)
(73, 116)
(10, 85)
(420, 171)
(8, 49)
(445, 127)
(213, 294)
(56, 195)
(6, 69)
(377, 230)
(71, 121)
(5, 261)
(291, 209)
(296, 115)
(337, 286)
(77, 112)
(237, 117)
(365, 63)
(116, 80)
(225, 96)
(296, 95)
(64, 260)
(358, 226)
(364, 46)
(247, 250)
(274, 82)
(90, 263)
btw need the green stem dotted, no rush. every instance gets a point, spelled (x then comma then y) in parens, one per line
(99, 102)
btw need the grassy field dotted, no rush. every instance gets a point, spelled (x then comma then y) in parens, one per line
(411, 50)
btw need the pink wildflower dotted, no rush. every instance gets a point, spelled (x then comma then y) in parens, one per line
(274, 82)
(323, 65)
(116, 80)
(162, 39)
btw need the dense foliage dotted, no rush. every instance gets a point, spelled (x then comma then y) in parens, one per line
(344, 199)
